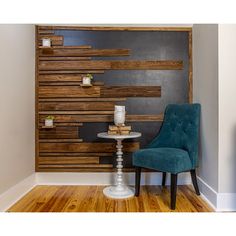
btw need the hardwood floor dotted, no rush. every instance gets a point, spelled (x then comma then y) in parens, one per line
(91, 199)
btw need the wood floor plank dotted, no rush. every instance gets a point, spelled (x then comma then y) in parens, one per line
(91, 199)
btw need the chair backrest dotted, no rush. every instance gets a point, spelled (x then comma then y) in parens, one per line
(180, 129)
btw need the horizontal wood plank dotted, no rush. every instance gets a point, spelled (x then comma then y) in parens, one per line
(59, 132)
(69, 160)
(64, 124)
(118, 28)
(64, 72)
(74, 65)
(75, 154)
(54, 166)
(146, 65)
(82, 99)
(86, 147)
(60, 78)
(73, 47)
(76, 106)
(47, 32)
(64, 83)
(70, 52)
(60, 140)
(111, 65)
(131, 91)
(45, 58)
(76, 112)
(68, 91)
(102, 118)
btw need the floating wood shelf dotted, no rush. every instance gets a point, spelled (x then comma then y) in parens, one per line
(110, 65)
(46, 50)
(86, 85)
(48, 127)
(61, 140)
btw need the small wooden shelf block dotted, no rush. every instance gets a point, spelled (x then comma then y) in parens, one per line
(46, 50)
(86, 85)
(48, 127)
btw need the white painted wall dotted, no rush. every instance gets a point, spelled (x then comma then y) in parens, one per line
(16, 104)
(227, 109)
(205, 92)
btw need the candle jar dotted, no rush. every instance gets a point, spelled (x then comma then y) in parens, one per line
(86, 80)
(48, 122)
(46, 42)
(119, 115)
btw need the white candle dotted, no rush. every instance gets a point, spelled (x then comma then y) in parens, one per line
(47, 42)
(119, 115)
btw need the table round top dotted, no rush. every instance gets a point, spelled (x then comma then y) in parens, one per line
(117, 136)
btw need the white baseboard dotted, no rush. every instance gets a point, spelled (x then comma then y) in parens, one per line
(218, 201)
(13, 194)
(208, 193)
(147, 178)
(226, 202)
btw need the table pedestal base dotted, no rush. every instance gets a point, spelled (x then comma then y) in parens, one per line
(118, 192)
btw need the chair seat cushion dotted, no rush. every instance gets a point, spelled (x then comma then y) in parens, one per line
(170, 160)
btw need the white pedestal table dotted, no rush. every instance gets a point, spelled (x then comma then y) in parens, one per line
(120, 189)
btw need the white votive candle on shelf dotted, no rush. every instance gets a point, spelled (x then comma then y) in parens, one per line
(46, 42)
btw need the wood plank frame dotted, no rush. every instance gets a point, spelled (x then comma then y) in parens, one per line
(41, 29)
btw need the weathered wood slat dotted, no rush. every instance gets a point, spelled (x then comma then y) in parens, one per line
(55, 39)
(140, 118)
(73, 47)
(82, 99)
(146, 65)
(131, 91)
(75, 72)
(76, 112)
(102, 118)
(60, 83)
(86, 147)
(69, 160)
(76, 106)
(47, 32)
(111, 65)
(115, 28)
(70, 52)
(45, 58)
(60, 78)
(74, 65)
(60, 140)
(76, 166)
(84, 170)
(69, 91)
(59, 132)
(75, 154)
(64, 125)
(65, 83)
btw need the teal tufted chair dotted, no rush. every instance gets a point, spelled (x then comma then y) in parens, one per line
(174, 149)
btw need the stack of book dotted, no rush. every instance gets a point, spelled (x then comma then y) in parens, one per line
(119, 130)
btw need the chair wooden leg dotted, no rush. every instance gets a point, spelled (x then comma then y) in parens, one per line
(137, 180)
(163, 179)
(173, 190)
(194, 180)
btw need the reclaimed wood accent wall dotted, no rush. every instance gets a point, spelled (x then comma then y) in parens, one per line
(143, 68)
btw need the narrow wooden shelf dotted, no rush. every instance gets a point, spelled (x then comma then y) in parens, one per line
(46, 50)
(48, 127)
(86, 85)
(66, 140)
